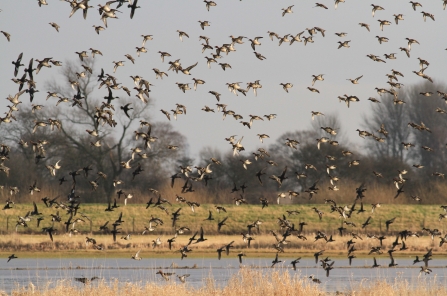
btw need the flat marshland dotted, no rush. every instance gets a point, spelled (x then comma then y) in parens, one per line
(32, 242)
(31, 239)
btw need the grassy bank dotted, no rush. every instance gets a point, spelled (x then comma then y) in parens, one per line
(410, 217)
(29, 240)
(30, 246)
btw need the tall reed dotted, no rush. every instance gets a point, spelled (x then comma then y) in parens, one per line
(245, 282)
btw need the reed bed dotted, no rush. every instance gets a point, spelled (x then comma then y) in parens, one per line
(262, 245)
(399, 287)
(245, 282)
(430, 191)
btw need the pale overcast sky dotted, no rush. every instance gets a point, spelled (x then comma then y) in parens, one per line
(31, 34)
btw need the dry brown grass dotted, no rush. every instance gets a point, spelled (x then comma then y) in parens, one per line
(400, 287)
(262, 245)
(431, 192)
(245, 282)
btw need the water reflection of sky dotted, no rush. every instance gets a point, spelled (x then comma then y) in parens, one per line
(44, 272)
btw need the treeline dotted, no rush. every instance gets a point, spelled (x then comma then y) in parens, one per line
(404, 146)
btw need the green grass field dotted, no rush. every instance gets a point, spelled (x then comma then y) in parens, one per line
(410, 217)
(31, 239)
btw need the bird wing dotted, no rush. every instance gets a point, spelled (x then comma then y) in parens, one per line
(19, 58)
(50, 232)
(283, 173)
(192, 66)
(133, 7)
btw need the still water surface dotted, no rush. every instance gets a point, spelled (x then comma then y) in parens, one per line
(46, 272)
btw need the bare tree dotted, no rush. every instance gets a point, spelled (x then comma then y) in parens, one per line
(394, 118)
(85, 132)
(106, 150)
(429, 122)
(329, 121)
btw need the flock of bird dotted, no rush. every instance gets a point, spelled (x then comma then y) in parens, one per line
(104, 115)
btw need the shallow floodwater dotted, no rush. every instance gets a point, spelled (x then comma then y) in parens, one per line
(46, 272)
